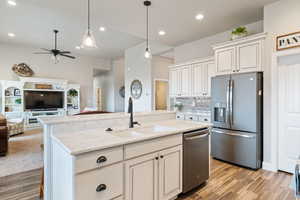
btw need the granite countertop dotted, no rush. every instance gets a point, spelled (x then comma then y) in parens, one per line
(76, 143)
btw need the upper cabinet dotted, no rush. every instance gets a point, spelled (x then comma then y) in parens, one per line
(239, 56)
(192, 79)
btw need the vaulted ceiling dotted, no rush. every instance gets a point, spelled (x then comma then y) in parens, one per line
(32, 21)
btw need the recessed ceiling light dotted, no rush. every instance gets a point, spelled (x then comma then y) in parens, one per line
(11, 2)
(162, 32)
(199, 17)
(11, 34)
(102, 28)
(78, 47)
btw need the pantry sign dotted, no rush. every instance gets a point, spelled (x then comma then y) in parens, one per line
(288, 41)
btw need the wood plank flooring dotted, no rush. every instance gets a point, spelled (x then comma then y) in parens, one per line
(227, 182)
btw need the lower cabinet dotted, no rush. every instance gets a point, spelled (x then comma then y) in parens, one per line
(156, 176)
(105, 183)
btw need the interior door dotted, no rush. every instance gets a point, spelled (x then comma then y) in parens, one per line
(170, 173)
(141, 178)
(289, 117)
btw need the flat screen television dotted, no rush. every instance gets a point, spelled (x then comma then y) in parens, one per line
(43, 100)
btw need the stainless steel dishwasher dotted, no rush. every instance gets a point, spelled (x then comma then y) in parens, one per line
(195, 158)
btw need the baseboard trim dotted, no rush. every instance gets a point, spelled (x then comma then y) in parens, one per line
(269, 167)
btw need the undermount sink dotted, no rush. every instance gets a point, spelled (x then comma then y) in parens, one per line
(143, 131)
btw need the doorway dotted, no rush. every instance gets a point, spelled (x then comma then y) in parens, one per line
(161, 94)
(289, 116)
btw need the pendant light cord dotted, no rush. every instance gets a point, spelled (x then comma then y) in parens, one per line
(147, 17)
(89, 21)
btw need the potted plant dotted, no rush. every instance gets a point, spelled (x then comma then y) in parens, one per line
(178, 106)
(239, 32)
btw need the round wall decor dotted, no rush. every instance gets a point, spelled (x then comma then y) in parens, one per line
(122, 91)
(136, 89)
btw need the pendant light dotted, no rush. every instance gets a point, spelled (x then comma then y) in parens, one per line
(147, 51)
(88, 40)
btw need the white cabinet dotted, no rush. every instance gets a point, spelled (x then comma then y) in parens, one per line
(174, 76)
(180, 81)
(141, 178)
(156, 176)
(106, 183)
(148, 170)
(170, 173)
(225, 60)
(191, 79)
(240, 56)
(249, 57)
(202, 73)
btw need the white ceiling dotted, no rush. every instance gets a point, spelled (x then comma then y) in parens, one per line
(33, 21)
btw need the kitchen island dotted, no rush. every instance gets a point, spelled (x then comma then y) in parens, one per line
(99, 163)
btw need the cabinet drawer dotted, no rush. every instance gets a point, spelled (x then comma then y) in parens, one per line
(98, 159)
(108, 181)
(180, 116)
(141, 148)
(191, 117)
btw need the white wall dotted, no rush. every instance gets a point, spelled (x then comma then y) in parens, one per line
(105, 81)
(279, 18)
(160, 68)
(202, 48)
(138, 67)
(78, 71)
(118, 69)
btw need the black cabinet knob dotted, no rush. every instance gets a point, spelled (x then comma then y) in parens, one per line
(101, 188)
(101, 159)
(156, 158)
(161, 156)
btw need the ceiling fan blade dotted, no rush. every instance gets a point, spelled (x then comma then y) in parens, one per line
(65, 52)
(46, 49)
(67, 56)
(42, 53)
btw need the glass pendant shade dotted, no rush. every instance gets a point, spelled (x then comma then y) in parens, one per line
(148, 54)
(88, 40)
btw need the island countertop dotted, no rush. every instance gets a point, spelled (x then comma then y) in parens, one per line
(80, 142)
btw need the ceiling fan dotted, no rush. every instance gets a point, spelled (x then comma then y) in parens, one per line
(56, 52)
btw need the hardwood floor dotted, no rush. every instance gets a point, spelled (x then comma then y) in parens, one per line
(227, 182)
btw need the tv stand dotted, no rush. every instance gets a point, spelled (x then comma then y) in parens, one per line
(12, 103)
(32, 117)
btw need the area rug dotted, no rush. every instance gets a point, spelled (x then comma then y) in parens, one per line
(25, 153)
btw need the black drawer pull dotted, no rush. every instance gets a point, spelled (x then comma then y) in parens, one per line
(101, 159)
(101, 188)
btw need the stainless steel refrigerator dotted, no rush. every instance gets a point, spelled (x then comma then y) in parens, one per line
(237, 117)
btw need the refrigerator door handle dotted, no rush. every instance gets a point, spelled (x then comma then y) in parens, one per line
(231, 102)
(228, 118)
(233, 134)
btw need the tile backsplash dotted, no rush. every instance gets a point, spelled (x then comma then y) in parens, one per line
(192, 104)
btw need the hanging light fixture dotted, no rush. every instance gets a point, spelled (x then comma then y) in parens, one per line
(147, 51)
(88, 40)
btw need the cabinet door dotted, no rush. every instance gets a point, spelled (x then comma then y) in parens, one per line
(211, 73)
(204, 79)
(185, 81)
(170, 173)
(173, 82)
(249, 57)
(197, 79)
(141, 178)
(225, 60)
